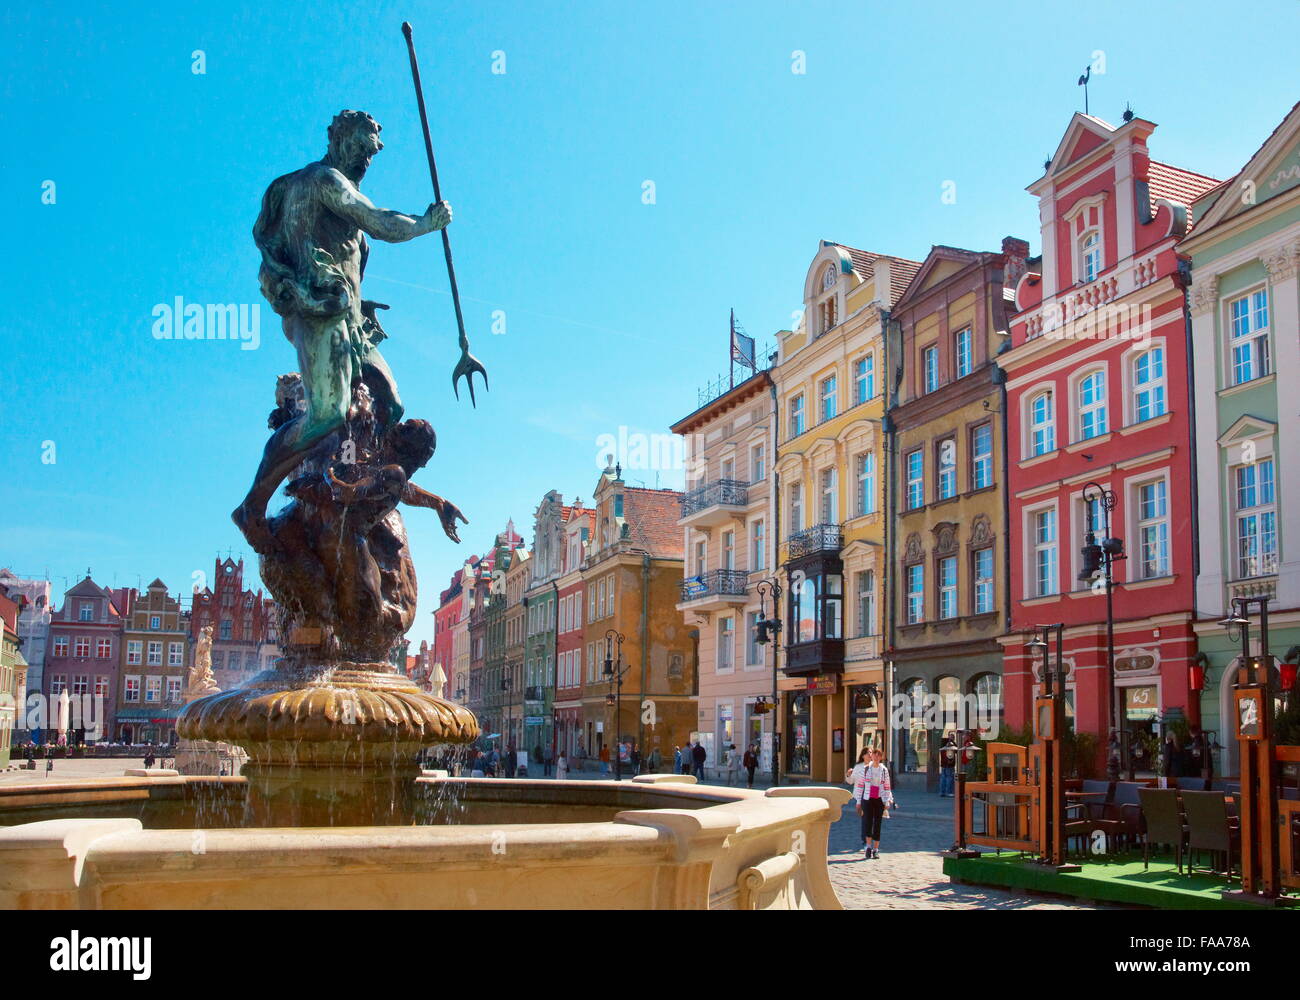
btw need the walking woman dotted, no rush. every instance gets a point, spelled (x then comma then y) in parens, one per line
(872, 794)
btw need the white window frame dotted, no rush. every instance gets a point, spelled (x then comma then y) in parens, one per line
(864, 378)
(914, 603)
(1043, 430)
(830, 495)
(964, 352)
(947, 573)
(1092, 257)
(726, 658)
(154, 654)
(945, 486)
(1258, 510)
(915, 465)
(865, 467)
(983, 594)
(981, 460)
(757, 544)
(798, 423)
(827, 398)
(796, 507)
(131, 689)
(1043, 553)
(1094, 411)
(758, 462)
(1143, 522)
(930, 368)
(1155, 388)
(1252, 335)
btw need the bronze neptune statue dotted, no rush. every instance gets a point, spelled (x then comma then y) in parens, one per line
(334, 712)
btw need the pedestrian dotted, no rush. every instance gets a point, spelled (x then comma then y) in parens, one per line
(947, 767)
(561, 767)
(604, 760)
(699, 755)
(478, 766)
(751, 764)
(548, 758)
(872, 796)
(733, 765)
(677, 759)
(635, 757)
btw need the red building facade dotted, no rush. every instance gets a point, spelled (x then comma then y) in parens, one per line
(244, 640)
(1097, 378)
(443, 651)
(82, 658)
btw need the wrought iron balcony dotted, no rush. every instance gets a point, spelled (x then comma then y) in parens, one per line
(714, 502)
(818, 538)
(719, 585)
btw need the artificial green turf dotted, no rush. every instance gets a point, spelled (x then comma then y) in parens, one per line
(1114, 880)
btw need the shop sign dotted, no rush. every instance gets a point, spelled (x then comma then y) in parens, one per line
(1140, 704)
(824, 684)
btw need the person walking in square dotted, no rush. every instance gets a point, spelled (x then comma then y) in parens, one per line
(751, 765)
(872, 795)
(699, 755)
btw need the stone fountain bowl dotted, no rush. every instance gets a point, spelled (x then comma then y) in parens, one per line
(160, 840)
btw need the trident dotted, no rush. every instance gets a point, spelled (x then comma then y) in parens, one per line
(468, 364)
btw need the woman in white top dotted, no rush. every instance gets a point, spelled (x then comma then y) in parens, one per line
(561, 767)
(872, 794)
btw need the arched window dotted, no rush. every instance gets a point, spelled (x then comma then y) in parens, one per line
(1092, 405)
(1042, 424)
(1149, 385)
(950, 717)
(987, 689)
(1090, 255)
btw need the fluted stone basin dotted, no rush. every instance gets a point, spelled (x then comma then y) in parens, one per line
(159, 841)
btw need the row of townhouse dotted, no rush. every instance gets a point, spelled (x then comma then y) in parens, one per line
(919, 467)
(575, 645)
(121, 654)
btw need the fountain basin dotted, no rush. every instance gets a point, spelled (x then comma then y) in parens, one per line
(640, 844)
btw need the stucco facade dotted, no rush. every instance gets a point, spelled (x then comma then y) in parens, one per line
(1098, 393)
(830, 489)
(1245, 307)
(950, 534)
(727, 524)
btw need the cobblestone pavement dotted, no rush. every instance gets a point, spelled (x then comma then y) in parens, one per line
(909, 873)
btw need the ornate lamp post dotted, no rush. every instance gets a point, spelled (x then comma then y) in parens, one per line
(1101, 556)
(769, 630)
(613, 661)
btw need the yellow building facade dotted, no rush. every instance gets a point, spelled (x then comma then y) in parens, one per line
(831, 481)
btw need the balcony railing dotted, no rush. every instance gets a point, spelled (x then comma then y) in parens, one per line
(721, 491)
(535, 693)
(818, 538)
(717, 582)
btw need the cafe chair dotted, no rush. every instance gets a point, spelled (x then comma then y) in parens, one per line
(1163, 823)
(1210, 828)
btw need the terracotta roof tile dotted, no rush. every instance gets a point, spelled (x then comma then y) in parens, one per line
(1180, 186)
(651, 517)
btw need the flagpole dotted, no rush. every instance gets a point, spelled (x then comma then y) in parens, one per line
(731, 349)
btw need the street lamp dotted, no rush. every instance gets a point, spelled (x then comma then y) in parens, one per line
(1101, 556)
(769, 630)
(615, 677)
(505, 688)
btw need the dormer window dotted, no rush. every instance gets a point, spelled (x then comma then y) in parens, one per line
(1090, 255)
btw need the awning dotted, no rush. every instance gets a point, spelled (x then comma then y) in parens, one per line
(155, 716)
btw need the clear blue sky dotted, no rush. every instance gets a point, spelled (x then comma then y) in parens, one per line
(615, 310)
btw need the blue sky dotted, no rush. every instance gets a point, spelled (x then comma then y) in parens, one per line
(615, 310)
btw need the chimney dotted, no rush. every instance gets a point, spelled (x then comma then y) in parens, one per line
(1016, 252)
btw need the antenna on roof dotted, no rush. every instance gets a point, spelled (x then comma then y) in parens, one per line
(1083, 82)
